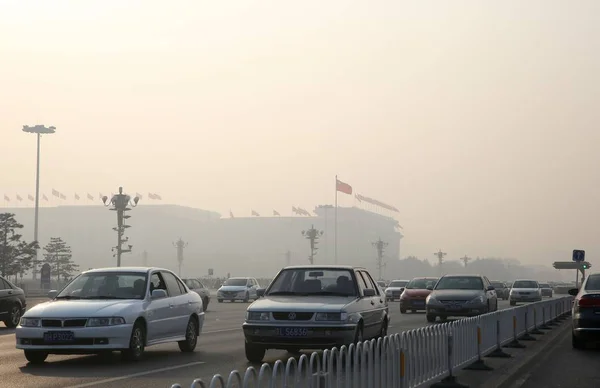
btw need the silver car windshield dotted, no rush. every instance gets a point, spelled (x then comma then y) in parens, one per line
(236, 282)
(106, 285)
(398, 284)
(525, 284)
(313, 281)
(459, 283)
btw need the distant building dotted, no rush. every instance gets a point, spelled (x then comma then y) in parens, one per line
(253, 246)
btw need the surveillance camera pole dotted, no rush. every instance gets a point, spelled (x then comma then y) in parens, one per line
(120, 203)
(312, 235)
(440, 256)
(466, 260)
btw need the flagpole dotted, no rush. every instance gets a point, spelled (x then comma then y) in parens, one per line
(335, 224)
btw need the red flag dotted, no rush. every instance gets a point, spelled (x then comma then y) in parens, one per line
(343, 187)
(276, 213)
(231, 214)
(76, 197)
(90, 197)
(254, 213)
(30, 197)
(44, 197)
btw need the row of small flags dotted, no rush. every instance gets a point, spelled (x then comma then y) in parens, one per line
(77, 197)
(296, 210)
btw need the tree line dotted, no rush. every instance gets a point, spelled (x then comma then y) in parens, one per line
(18, 256)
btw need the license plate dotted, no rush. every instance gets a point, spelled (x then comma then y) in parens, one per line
(419, 302)
(59, 336)
(292, 332)
(454, 307)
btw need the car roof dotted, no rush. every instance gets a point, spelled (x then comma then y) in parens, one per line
(126, 269)
(425, 277)
(526, 280)
(240, 277)
(462, 276)
(400, 280)
(348, 267)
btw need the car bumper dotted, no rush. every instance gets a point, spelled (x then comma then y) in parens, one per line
(525, 298)
(463, 311)
(232, 297)
(318, 337)
(546, 293)
(413, 304)
(86, 339)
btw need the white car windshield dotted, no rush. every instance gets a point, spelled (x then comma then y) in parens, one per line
(525, 284)
(420, 284)
(460, 283)
(313, 281)
(236, 282)
(106, 285)
(398, 284)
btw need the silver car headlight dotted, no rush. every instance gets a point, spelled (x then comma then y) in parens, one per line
(478, 300)
(331, 317)
(257, 316)
(30, 322)
(105, 321)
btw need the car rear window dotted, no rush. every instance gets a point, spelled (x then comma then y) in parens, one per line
(398, 284)
(593, 282)
(544, 285)
(525, 284)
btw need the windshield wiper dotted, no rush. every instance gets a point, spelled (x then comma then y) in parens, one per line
(103, 297)
(67, 297)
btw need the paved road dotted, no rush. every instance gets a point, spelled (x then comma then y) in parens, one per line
(220, 350)
(563, 367)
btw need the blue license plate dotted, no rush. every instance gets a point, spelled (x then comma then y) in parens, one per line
(419, 302)
(57, 337)
(454, 307)
(291, 332)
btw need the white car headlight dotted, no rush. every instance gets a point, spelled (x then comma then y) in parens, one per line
(105, 321)
(331, 317)
(30, 322)
(257, 316)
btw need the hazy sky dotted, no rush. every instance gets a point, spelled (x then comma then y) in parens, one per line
(479, 120)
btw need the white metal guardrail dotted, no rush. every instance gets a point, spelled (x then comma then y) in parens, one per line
(411, 359)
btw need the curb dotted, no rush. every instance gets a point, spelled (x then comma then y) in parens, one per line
(513, 370)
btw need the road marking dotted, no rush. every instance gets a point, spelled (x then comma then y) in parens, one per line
(139, 374)
(220, 331)
(520, 382)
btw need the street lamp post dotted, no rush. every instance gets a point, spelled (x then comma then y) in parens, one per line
(120, 203)
(440, 256)
(38, 130)
(180, 244)
(312, 235)
(380, 245)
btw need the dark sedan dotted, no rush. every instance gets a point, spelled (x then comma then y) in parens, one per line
(546, 290)
(586, 312)
(12, 303)
(460, 296)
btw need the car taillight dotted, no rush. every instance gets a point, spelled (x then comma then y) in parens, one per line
(589, 301)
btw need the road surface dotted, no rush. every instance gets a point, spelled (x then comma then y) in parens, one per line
(563, 367)
(220, 350)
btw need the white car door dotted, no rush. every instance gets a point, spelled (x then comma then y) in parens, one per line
(157, 310)
(178, 305)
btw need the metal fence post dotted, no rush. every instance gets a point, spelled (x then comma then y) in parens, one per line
(544, 325)
(552, 320)
(535, 326)
(514, 344)
(527, 336)
(479, 364)
(498, 352)
(402, 376)
(449, 381)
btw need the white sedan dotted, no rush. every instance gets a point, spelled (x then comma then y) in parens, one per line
(113, 309)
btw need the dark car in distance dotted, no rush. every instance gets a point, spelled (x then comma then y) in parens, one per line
(12, 303)
(546, 290)
(501, 288)
(586, 312)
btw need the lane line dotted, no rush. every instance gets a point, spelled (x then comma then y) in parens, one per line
(220, 331)
(139, 374)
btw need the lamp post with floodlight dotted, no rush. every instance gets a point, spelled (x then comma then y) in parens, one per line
(39, 130)
(120, 203)
(312, 235)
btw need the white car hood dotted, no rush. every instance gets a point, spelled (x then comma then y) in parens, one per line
(301, 303)
(81, 308)
(233, 288)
